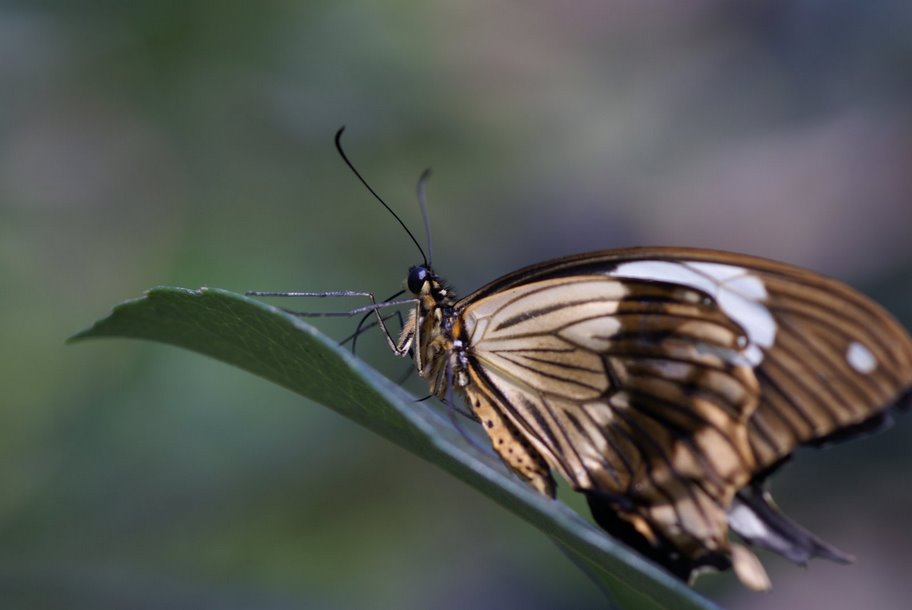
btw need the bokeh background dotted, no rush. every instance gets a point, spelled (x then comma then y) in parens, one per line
(190, 143)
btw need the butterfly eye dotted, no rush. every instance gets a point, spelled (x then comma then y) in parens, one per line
(416, 278)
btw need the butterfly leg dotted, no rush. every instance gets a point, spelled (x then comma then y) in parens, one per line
(399, 348)
(364, 327)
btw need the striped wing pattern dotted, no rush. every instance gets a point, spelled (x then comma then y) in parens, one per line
(668, 380)
(627, 387)
(838, 362)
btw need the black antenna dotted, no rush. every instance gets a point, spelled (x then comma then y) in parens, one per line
(374, 193)
(422, 202)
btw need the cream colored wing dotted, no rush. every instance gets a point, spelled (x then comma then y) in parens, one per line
(663, 381)
(635, 389)
(829, 361)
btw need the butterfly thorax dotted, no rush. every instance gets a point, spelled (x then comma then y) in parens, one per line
(438, 335)
(434, 332)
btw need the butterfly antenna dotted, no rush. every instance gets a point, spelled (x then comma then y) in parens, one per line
(422, 202)
(374, 193)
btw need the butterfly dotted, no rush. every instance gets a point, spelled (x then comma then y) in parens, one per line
(666, 384)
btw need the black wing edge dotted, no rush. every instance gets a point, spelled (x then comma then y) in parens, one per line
(875, 424)
(779, 533)
(783, 535)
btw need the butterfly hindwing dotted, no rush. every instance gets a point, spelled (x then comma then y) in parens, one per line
(672, 378)
(666, 384)
(628, 388)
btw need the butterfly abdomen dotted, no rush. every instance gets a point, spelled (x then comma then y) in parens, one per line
(512, 446)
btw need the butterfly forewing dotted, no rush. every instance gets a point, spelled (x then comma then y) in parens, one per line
(666, 383)
(628, 387)
(826, 356)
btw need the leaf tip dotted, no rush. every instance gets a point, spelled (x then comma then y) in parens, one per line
(96, 329)
(80, 336)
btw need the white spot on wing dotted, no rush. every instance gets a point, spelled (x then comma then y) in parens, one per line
(718, 271)
(749, 286)
(663, 271)
(745, 522)
(751, 315)
(861, 358)
(753, 354)
(739, 293)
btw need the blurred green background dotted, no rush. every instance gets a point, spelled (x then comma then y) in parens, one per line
(190, 143)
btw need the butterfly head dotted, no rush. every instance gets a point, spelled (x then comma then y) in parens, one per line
(424, 282)
(420, 279)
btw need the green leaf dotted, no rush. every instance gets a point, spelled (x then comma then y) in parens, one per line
(270, 343)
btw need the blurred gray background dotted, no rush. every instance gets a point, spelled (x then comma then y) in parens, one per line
(190, 143)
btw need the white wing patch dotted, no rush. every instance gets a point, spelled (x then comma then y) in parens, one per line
(860, 358)
(744, 521)
(739, 293)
